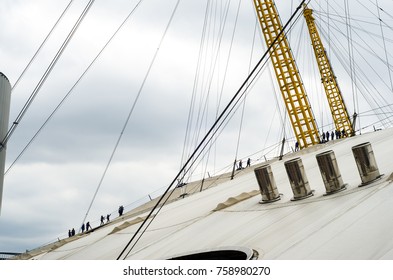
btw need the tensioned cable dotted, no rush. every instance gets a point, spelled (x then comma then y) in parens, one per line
(131, 110)
(202, 116)
(225, 71)
(213, 68)
(384, 47)
(351, 59)
(203, 107)
(41, 46)
(359, 70)
(244, 101)
(72, 88)
(247, 85)
(361, 82)
(202, 143)
(188, 139)
(45, 76)
(193, 96)
(228, 60)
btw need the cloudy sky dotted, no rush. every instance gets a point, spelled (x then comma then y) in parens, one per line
(206, 52)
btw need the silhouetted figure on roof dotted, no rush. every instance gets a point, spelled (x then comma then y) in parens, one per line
(83, 228)
(343, 134)
(327, 136)
(240, 164)
(88, 226)
(324, 137)
(72, 232)
(102, 220)
(296, 146)
(121, 209)
(107, 218)
(248, 162)
(332, 134)
(69, 233)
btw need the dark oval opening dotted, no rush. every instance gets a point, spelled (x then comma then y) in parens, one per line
(225, 254)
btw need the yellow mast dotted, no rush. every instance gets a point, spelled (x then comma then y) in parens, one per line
(333, 93)
(288, 77)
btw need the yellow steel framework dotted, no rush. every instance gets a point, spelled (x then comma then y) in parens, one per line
(288, 77)
(333, 93)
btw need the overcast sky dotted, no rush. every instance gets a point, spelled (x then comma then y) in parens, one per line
(49, 189)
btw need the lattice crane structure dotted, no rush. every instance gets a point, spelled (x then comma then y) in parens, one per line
(333, 93)
(287, 73)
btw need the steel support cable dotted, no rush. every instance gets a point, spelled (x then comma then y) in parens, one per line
(388, 14)
(367, 31)
(351, 62)
(278, 108)
(373, 96)
(226, 71)
(202, 143)
(227, 60)
(168, 193)
(45, 76)
(72, 88)
(365, 77)
(361, 45)
(194, 138)
(194, 158)
(202, 116)
(375, 15)
(338, 17)
(365, 44)
(131, 111)
(244, 101)
(230, 114)
(391, 104)
(384, 47)
(41, 46)
(210, 76)
(193, 96)
(212, 68)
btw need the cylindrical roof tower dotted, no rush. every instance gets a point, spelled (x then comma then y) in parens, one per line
(5, 99)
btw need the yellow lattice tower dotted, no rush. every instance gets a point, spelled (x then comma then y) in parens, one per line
(287, 73)
(333, 93)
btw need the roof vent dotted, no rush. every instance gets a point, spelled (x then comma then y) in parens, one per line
(365, 161)
(330, 173)
(298, 179)
(267, 184)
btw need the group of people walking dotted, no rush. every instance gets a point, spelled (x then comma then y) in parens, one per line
(87, 227)
(240, 164)
(326, 136)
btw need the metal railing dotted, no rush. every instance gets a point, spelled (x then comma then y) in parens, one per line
(7, 255)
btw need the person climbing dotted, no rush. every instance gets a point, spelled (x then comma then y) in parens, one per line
(83, 228)
(69, 233)
(248, 162)
(240, 164)
(88, 226)
(121, 209)
(72, 232)
(102, 220)
(296, 146)
(107, 217)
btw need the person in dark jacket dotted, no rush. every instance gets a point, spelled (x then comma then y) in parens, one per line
(121, 209)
